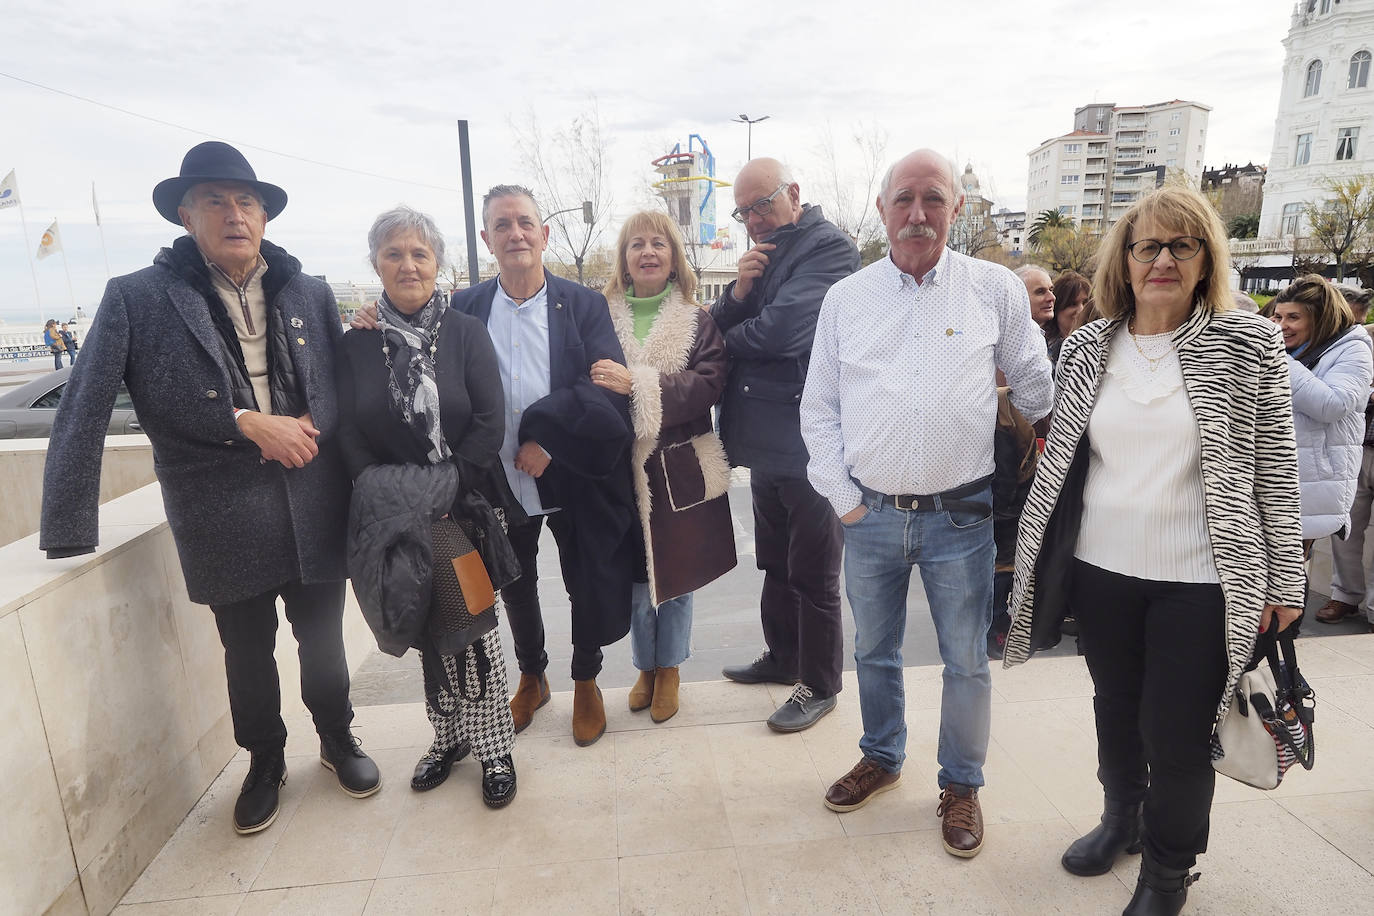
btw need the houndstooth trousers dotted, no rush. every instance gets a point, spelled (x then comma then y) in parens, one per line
(486, 723)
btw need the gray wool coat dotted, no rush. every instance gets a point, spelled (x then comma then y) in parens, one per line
(242, 526)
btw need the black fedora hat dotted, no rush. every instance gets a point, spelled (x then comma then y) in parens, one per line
(213, 161)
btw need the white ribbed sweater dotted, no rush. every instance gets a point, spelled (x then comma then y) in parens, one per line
(1143, 510)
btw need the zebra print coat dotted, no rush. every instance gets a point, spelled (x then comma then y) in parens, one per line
(1236, 375)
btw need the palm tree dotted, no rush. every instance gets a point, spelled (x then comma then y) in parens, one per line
(1048, 219)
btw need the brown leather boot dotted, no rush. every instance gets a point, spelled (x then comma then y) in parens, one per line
(589, 713)
(665, 695)
(642, 693)
(532, 693)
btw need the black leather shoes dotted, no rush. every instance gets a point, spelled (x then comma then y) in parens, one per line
(1096, 852)
(434, 766)
(802, 710)
(357, 773)
(1160, 890)
(257, 806)
(762, 670)
(498, 781)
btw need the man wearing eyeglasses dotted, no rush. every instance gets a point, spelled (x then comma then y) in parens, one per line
(898, 414)
(768, 316)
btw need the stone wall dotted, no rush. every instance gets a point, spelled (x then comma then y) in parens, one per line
(127, 465)
(112, 692)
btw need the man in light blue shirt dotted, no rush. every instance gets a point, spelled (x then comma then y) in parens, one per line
(898, 415)
(547, 332)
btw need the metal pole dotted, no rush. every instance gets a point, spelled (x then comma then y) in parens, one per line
(469, 219)
(24, 224)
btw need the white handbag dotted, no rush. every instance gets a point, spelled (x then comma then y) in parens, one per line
(1269, 725)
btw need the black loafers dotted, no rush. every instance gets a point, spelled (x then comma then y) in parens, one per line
(435, 765)
(498, 781)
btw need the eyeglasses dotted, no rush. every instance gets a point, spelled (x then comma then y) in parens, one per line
(763, 206)
(1183, 248)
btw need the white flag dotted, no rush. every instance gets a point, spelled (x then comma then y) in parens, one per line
(9, 191)
(51, 243)
(94, 205)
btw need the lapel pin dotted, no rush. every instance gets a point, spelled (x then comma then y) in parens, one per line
(297, 323)
(557, 305)
(301, 341)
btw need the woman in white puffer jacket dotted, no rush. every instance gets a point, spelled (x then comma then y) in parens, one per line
(1329, 368)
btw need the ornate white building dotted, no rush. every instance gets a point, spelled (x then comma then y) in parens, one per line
(1325, 123)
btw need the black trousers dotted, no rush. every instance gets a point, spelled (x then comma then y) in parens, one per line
(526, 620)
(1157, 655)
(798, 544)
(248, 631)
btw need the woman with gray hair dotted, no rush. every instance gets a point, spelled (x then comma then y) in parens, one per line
(422, 389)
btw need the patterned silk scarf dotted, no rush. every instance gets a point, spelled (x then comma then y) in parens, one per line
(409, 344)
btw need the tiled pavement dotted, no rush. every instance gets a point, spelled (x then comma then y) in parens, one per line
(712, 813)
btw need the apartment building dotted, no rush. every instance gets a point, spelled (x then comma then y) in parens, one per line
(1114, 154)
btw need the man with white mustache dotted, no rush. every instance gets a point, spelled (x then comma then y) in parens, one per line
(898, 416)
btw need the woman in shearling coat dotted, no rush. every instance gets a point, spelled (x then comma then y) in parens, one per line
(1164, 514)
(675, 374)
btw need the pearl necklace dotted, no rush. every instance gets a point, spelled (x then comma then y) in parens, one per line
(1151, 361)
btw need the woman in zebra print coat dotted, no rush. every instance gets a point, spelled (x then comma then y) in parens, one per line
(1164, 516)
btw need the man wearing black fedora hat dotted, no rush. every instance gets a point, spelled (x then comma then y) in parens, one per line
(227, 350)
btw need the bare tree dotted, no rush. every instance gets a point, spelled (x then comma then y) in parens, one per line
(1243, 264)
(1342, 219)
(848, 196)
(973, 235)
(570, 169)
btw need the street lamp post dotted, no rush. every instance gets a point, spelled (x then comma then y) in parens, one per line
(587, 217)
(749, 141)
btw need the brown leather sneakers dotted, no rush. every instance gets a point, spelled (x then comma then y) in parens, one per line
(961, 825)
(853, 790)
(1335, 611)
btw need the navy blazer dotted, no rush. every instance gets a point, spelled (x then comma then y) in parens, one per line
(580, 330)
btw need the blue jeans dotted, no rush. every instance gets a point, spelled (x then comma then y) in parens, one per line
(955, 552)
(659, 637)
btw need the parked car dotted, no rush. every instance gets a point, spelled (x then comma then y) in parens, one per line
(27, 410)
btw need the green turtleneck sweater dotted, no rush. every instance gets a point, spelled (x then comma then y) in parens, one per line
(645, 310)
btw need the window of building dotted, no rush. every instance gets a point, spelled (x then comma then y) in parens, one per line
(1068, 179)
(1173, 131)
(1073, 147)
(1359, 71)
(1071, 164)
(1288, 225)
(1066, 209)
(1171, 162)
(1326, 6)
(1346, 140)
(1304, 151)
(1176, 116)
(1152, 135)
(1314, 79)
(1173, 147)
(1151, 150)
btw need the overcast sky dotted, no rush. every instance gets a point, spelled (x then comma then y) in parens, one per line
(378, 87)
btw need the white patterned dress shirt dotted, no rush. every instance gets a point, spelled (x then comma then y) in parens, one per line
(901, 392)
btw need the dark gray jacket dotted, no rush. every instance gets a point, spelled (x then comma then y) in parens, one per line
(241, 526)
(768, 339)
(390, 548)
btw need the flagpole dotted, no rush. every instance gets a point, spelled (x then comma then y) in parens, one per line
(103, 250)
(68, 268)
(42, 316)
